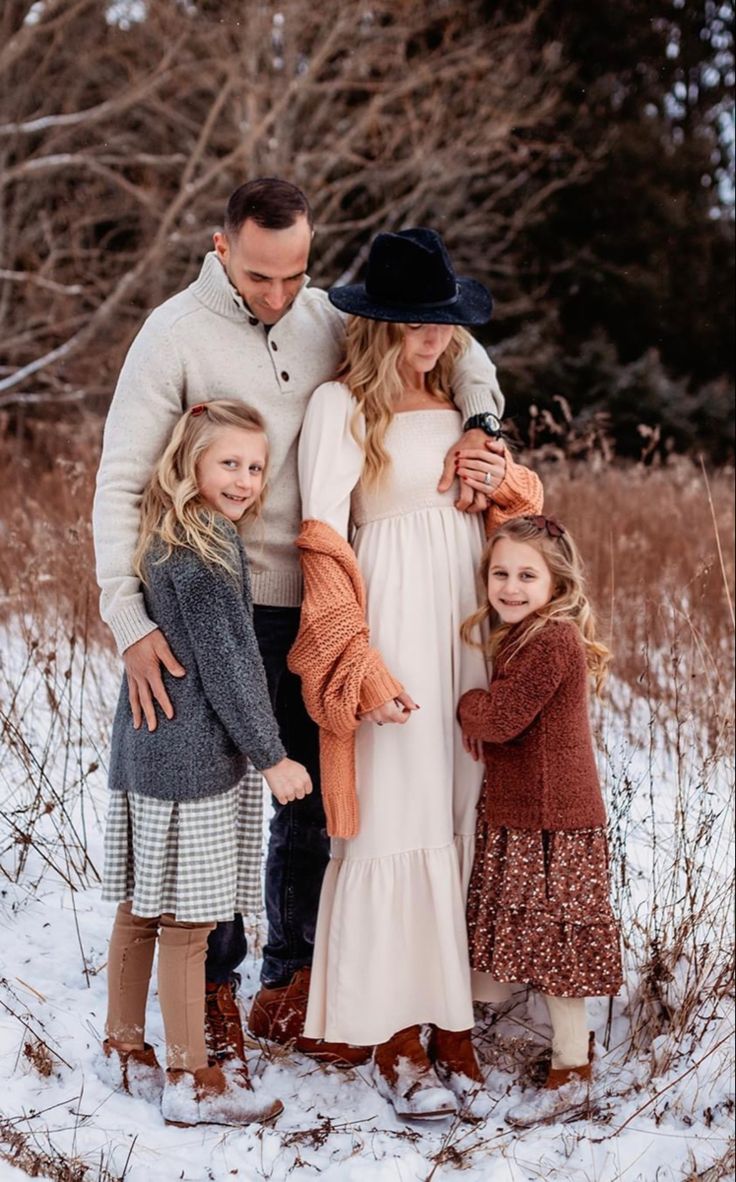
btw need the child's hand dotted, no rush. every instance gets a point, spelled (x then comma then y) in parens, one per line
(288, 780)
(398, 709)
(474, 747)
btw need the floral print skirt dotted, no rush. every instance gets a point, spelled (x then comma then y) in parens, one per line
(539, 910)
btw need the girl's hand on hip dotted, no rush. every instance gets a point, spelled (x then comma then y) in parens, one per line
(474, 747)
(398, 709)
(288, 780)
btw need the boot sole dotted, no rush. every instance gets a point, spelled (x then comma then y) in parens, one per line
(267, 1119)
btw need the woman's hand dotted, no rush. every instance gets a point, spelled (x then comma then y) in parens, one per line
(474, 747)
(288, 780)
(398, 709)
(482, 469)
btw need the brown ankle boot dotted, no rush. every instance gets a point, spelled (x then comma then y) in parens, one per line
(452, 1053)
(278, 1014)
(404, 1075)
(137, 1072)
(223, 1029)
(208, 1097)
(455, 1062)
(560, 1076)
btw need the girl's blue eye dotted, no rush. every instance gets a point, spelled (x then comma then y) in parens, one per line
(257, 468)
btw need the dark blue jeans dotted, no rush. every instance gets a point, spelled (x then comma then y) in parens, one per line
(298, 849)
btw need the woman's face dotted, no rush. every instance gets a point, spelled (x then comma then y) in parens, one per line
(423, 345)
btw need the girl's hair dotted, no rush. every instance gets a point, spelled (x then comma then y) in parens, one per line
(371, 373)
(172, 509)
(569, 600)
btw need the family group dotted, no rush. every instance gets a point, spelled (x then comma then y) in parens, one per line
(323, 568)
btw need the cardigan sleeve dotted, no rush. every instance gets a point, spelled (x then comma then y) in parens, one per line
(519, 494)
(220, 629)
(522, 689)
(330, 458)
(474, 383)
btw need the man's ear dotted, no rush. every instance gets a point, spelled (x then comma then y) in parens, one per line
(221, 244)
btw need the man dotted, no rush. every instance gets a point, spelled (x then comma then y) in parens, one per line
(249, 327)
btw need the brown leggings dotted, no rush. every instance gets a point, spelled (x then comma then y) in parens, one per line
(181, 956)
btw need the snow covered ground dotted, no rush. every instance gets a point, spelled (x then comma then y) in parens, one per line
(663, 1095)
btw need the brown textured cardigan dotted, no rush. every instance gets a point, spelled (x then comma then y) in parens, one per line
(537, 745)
(342, 676)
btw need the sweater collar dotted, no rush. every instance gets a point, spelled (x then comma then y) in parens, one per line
(213, 289)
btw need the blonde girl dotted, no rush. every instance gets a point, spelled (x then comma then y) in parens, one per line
(538, 905)
(183, 840)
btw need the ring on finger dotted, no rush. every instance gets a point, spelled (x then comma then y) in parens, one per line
(487, 477)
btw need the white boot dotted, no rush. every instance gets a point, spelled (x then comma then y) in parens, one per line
(207, 1097)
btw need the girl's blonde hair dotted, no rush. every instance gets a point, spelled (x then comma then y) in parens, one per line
(569, 599)
(371, 373)
(172, 509)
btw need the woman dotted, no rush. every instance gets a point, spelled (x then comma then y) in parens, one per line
(385, 554)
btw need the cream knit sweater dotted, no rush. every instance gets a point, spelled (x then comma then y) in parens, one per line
(204, 343)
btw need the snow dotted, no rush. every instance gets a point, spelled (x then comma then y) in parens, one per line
(661, 1109)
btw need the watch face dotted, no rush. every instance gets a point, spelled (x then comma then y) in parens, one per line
(491, 423)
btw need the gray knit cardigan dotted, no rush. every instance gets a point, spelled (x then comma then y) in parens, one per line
(222, 712)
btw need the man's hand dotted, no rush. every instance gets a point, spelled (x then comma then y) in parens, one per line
(288, 780)
(474, 489)
(398, 709)
(143, 662)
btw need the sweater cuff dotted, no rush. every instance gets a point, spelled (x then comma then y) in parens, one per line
(130, 624)
(377, 687)
(520, 488)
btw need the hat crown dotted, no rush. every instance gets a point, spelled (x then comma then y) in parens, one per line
(410, 267)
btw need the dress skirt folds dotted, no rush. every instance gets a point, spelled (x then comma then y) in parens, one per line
(539, 910)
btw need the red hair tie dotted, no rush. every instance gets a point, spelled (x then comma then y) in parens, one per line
(199, 409)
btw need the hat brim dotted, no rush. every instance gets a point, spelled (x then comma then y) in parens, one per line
(472, 306)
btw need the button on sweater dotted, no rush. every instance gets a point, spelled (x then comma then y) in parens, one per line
(222, 711)
(537, 745)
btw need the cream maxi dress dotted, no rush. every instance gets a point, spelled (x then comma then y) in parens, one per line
(391, 947)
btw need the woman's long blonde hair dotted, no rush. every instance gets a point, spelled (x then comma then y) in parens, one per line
(569, 599)
(371, 373)
(172, 510)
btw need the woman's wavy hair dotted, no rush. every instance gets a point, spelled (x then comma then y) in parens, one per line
(569, 600)
(371, 373)
(172, 510)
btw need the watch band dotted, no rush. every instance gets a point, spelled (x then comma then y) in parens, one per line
(486, 421)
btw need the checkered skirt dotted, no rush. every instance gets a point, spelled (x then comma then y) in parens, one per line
(200, 860)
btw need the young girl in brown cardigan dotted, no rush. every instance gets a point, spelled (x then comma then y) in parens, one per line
(538, 906)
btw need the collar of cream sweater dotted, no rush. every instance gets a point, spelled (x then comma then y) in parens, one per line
(213, 288)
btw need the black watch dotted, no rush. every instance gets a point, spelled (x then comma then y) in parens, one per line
(487, 422)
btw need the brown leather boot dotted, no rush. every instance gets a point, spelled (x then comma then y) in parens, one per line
(455, 1062)
(560, 1076)
(404, 1075)
(223, 1029)
(539, 1068)
(208, 1097)
(278, 1015)
(137, 1072)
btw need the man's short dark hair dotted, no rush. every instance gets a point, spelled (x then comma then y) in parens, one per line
(272, 204)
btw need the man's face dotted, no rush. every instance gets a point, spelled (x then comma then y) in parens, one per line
(267, 267)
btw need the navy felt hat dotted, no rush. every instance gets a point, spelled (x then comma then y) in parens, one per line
(410, 280)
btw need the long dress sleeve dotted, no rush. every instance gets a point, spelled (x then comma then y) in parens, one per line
(330, 457)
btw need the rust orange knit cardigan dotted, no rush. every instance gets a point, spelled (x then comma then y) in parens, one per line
(342, 676)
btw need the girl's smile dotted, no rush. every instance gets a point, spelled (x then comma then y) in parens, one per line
(230, 471)
(519, 580)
